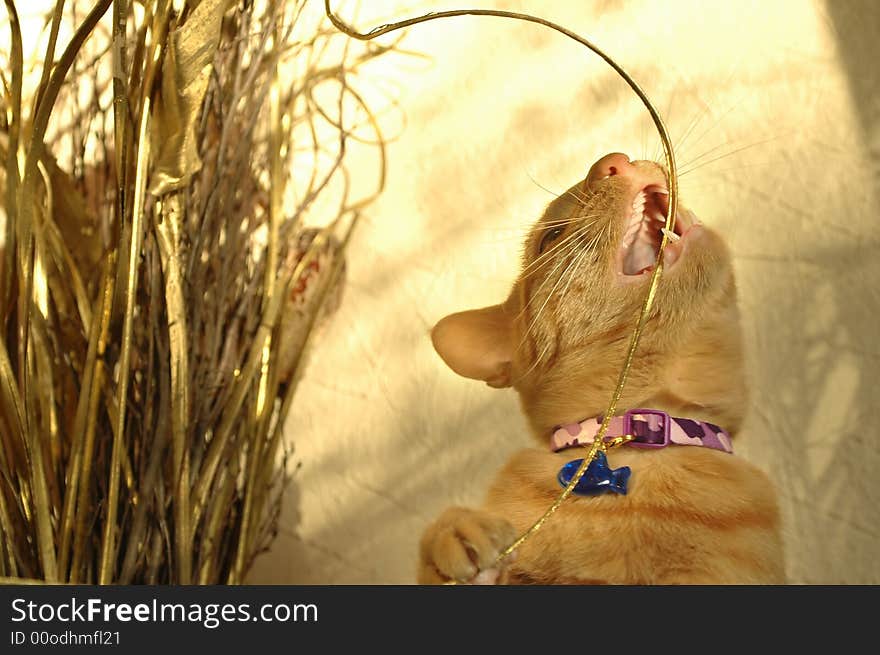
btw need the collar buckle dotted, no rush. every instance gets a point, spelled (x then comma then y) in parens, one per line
(649, 427)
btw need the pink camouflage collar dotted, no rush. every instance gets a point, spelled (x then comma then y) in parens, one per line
(652, 428)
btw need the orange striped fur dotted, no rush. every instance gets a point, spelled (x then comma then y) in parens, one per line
(693, 515)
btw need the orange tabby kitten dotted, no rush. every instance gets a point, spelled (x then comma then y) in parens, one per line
(693, 515)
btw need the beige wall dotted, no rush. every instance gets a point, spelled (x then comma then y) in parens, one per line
(386, 436)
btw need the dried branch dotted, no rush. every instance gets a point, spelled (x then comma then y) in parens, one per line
(163, 273)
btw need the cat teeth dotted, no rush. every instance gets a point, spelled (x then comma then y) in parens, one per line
(635, 220)
(640, 218)
(631, 235)
(638, 211)
(672, 236)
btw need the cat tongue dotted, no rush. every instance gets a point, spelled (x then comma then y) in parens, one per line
(639, 256)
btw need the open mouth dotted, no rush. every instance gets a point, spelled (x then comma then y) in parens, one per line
(640, 246)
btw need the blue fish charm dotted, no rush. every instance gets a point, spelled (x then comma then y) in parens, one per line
(598, 477)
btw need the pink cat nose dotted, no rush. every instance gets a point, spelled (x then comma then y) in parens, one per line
(614, 164)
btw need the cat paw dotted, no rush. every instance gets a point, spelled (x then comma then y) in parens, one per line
(463, 545)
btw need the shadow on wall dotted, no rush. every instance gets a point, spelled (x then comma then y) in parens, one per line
(850, 479)
(821, 369)
(365, 501)
(857, 30)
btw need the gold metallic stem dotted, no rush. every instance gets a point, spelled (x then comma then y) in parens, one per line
(13, 174)
(108, 541)
(170, 219)
(598, 444)
(77, 477)
(264, 402)
(25, 246)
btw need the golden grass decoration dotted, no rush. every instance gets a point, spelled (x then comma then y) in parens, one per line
(161, 275)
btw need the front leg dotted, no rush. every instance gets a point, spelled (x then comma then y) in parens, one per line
(462, 545)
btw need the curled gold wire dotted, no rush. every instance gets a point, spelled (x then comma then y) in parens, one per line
(599, 444)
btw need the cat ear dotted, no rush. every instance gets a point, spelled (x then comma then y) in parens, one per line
(477, 344)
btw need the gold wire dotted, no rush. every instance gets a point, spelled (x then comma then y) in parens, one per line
(599, 444)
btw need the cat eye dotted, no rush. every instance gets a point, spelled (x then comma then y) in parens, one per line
(549, 237)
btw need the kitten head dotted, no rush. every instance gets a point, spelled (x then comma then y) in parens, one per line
(561, 337)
